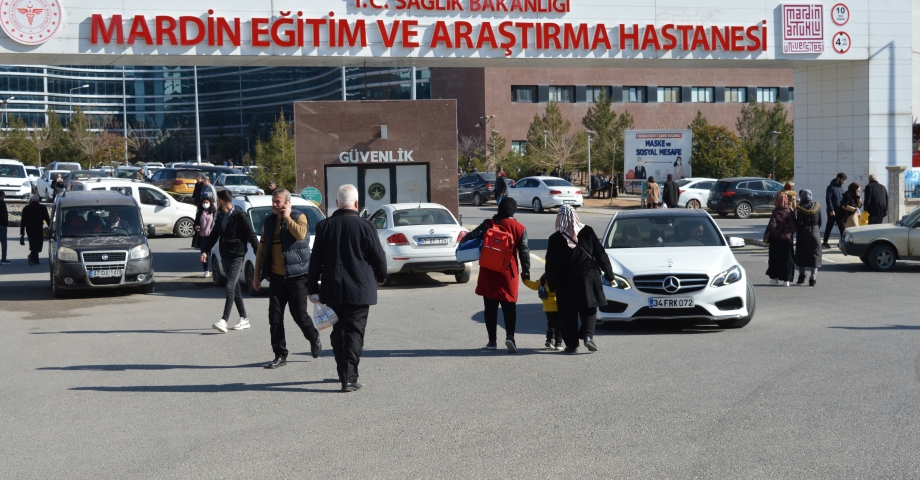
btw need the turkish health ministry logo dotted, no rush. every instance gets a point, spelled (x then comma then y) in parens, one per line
(803, 28)
(30, 22)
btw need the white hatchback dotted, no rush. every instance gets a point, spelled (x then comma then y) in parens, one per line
(165, 213)
(420, 238)
(674, 264)
(694, 192)
(257, 209)
(542, 193)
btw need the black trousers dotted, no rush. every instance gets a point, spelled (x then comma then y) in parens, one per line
(568, 323)
(553, 332)
(831, 223)
(876, 219)
(509, 311)
(348, 339)
(293, 293)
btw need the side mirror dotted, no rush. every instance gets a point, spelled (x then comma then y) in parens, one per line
(164, 202)
(736, 242)
(365, 214)
(151, 230)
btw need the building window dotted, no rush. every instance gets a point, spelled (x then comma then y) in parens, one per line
(668, 94)
(593, 94)
(702, 94)
(634, 95)
(791, 94)
(767, 95)
(562, 94)
(736, 95)
(526, 94)
(519, 147)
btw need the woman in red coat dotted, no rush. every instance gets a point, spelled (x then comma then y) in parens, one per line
(501, 288)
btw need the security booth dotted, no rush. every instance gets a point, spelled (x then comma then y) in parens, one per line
(392, 151)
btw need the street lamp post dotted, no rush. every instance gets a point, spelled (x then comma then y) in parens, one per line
(71, 97)
(5, 109)
(494, 155)
(590, 192)
(544, 139)
(775, 134)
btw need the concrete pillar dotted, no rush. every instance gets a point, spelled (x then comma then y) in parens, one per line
(896, 207)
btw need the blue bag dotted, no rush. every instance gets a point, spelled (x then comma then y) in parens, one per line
(469, 250)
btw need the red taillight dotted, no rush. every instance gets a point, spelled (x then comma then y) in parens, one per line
(577, 192)
(728, 194)
(488, 185)
(682, 192)
(397, 239)
(555, 192)
(461, 235)
(177, 182)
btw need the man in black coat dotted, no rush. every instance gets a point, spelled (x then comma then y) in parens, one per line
(34, 215)
(876, 202)
(833, 195)
(671, 193)
(4, 223)
(501, 187)
(349, 260)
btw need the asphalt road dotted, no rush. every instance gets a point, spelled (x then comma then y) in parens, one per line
(824, 383)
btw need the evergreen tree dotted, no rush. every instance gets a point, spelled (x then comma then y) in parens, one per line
(754, 125)
(275, 156)
(17, 144)
(717, 153)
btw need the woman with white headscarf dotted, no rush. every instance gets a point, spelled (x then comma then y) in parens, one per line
(574, 261)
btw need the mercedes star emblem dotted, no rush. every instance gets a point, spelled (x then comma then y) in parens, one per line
(431, 231)
(671, 284)
(670, 263)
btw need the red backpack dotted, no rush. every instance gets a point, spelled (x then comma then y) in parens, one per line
(497, 249)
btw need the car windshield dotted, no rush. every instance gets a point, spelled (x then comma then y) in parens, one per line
(662, 231)
(258, 215)
(240, 180)
(33, 172)
(12, 171)
(126, 173)
(69, 166)
(190, 175)
(423, 216)
(555, 182)
(489, 177)
(84, 174)
(721, 186)
(681, 183)
(96, 221)
(912, 217)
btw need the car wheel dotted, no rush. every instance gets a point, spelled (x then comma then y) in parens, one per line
(742, 210)
(477, 199)
(693, 204)
(248, 276)
(882, 258)
(537, 205)
(218, 279)
(184, 228)
(751, 303)
(463, 277)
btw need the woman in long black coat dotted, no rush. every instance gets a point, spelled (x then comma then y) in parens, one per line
(808, 237)
(34, 216)
(781, 264)
(574, 261)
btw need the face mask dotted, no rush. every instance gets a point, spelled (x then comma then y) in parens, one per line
(205, 206)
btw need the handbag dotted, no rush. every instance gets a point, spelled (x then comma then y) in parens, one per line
(196, 240)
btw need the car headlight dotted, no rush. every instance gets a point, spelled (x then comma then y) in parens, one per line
(618, 282)
(728, 277)
(65, 254)
(848, 238)
(27, 184)
(139, 252)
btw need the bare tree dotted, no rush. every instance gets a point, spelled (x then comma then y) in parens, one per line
(139, 144)
(42, 137)
(671, 116)
(471, 146)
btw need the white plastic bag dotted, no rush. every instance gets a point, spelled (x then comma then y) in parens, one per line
(323, 316)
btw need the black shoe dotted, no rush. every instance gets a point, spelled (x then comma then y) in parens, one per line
(812, 282)
(801, 279)
(509, 344)
(352, 387)
(316, 348)
(570, 349)
(278, 362)
(825, 245)
(589, 342)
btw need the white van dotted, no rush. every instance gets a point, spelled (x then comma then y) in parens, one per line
(167, 214)
(71, 166)
(14, 181)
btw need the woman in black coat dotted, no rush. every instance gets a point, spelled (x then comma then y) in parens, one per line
(781, 264)
(574, 260)
(850, 203)
(808, 237)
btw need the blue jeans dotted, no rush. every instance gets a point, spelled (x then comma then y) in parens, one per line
(3, 243)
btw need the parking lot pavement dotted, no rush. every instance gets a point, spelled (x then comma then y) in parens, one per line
(822, 384)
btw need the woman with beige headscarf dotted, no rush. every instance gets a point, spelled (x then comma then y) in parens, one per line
(574, 261)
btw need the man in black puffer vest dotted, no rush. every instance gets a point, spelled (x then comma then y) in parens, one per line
(283, 257)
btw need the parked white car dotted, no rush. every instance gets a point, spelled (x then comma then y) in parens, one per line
(420, 238)
(542, 193)
(694, 192)
(238, 184)
(43, 185)
(674, 264)
(258, 209)
(167, 214)
(34, 173)
(14, 181)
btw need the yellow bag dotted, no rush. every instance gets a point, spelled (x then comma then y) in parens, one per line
(864, 218)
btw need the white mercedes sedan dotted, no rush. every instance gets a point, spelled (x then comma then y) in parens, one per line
(674, 264)
(420, 238)
(542, 193)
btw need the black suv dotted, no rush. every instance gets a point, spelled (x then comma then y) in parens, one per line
(476, 187)
(743, 196)
(97, 240)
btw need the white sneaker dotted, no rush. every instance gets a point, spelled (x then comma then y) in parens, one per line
(243, 323)
(220, 326)
(785, 284)
(774, 281)
(205, 274)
